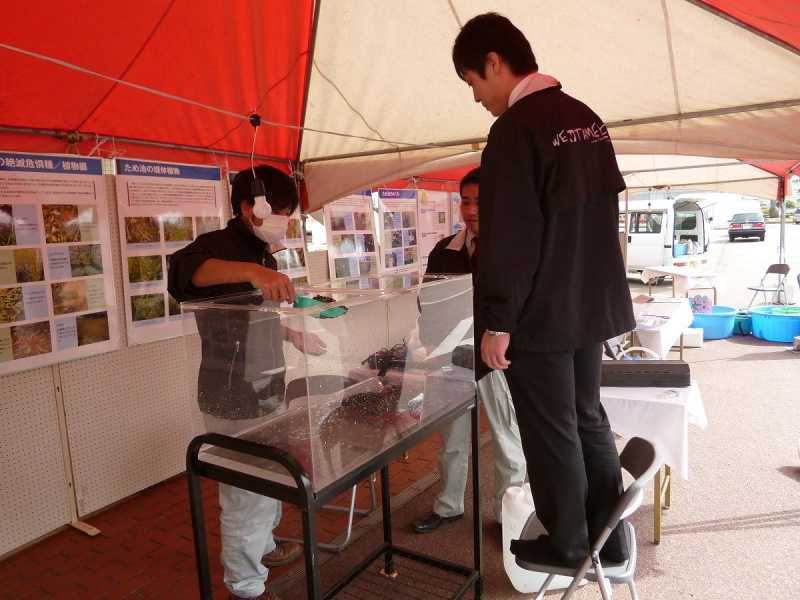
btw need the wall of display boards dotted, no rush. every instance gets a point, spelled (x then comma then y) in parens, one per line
(89, 414)
(387, 231)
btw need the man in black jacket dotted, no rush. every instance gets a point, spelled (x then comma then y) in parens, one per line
(459, 254)
(241, 375)
(552, 282)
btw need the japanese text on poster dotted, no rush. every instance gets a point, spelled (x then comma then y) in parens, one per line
(57, 299)
(162, 208)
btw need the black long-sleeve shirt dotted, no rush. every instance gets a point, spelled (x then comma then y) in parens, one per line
(241, 373)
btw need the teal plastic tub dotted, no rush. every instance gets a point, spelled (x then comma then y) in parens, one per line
(776, 323)
(716, 325)
(743, 324)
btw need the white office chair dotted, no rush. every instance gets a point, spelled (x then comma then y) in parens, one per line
(640, 459)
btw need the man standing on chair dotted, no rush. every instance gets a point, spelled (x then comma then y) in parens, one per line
(552, 283)
(459, 254)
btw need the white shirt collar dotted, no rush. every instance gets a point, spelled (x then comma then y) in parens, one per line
(463, 238)
(530, 84)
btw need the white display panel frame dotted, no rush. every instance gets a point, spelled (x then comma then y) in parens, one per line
(56, 269)
(162, 207)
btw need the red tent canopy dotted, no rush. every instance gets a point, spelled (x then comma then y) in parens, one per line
(69, 71)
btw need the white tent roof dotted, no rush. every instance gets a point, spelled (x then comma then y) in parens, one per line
(668, 77)
(701, 173)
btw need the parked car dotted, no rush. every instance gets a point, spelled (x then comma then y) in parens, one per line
(746, 225)
(797, 217)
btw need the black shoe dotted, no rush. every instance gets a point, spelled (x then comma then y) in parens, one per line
(539, 551)
(432, 522)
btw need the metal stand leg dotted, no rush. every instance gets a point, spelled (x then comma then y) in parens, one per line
(476, 499)
(388, 564)
(681, 350)
(311, 552)
(199, 531)
(668, 486)
(351, 510)
(657, 508)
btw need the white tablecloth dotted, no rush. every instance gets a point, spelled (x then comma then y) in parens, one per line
(685, 278)
(660, 415)
(660, 323)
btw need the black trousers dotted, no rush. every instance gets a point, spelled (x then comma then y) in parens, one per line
(573, 464)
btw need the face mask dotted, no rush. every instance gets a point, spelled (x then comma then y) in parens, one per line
(272, 230)
(273, 227)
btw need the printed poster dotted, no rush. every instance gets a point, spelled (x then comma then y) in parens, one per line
(292, 259)
(57, 299)
(352, 246)
(162, 208)
(398, 227)
(434, 221)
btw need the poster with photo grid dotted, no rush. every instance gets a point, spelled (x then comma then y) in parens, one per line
(292, 258)
(57, 299)
(162, 208)
(352, 246)
(397, 221)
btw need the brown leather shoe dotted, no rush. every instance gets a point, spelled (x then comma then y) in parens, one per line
(284, 553)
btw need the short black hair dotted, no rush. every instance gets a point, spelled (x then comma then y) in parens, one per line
(281, 189)
(473, 176)
(491, 32)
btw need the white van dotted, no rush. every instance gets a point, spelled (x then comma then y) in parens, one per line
(665, 232)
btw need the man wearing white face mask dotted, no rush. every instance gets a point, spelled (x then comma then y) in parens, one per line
(234, 260)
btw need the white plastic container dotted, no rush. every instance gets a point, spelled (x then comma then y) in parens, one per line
(692, 338)
(517, 507)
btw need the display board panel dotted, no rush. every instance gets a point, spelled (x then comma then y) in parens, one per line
(434, 221)
(162, 208)
(292, 259)
(397, 221)
(57, 299)
(350, 228)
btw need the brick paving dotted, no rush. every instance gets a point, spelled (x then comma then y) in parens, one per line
(146, 551)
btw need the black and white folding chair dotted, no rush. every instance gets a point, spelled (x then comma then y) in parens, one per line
(779, 272)
(640, 459)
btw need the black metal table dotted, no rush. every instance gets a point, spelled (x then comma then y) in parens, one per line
(310, 502)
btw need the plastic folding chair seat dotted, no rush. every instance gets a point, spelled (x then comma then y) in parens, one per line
(640, 459)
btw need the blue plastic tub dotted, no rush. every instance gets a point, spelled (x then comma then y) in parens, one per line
(680, 250)
(776, 323)
(716, 325)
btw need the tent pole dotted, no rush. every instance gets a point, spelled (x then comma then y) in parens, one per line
(55, 133)
(625, 230)
(309, 68)
(735, 163)
(717, 112)
(714, 112)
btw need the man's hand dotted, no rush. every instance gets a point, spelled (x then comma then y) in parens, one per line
(493, 350)
(310, 343)
(273, 285)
